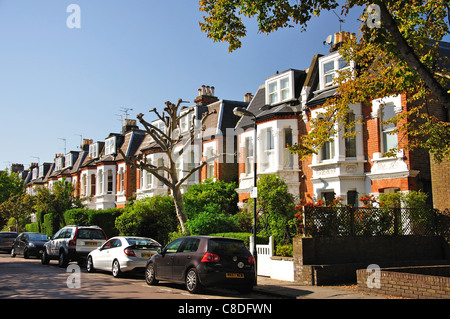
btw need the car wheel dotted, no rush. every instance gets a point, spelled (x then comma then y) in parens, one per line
(44, 258)
(90, 265)
(192, 281)
(116, 269)
(63, 260)
(13, 253)
(150, 277)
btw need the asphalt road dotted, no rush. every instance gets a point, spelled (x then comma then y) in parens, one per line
(28, 279)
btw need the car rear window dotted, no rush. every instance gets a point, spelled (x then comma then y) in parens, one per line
(89, 233)
(143, 243)
(222, 246)
(8, 235)
(37, 237)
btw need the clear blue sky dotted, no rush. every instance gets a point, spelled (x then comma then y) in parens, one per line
(57, 82)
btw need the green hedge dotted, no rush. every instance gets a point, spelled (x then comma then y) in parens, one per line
(33, 228)
(87, 217)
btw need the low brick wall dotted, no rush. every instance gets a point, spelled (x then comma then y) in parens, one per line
(430, 282)
(325, 261)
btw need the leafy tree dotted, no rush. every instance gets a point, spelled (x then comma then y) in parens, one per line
(10, 184)
(12, 198)
(18, 207)
(55, 202)
(396, 53)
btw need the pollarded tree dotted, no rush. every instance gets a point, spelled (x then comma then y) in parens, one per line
(173, 143)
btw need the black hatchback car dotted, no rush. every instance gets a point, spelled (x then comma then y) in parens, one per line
(29, 244)
(201, 261)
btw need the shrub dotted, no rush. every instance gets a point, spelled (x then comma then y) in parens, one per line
(152, 217)
(208, 192)
(284, 250)
(77, 216)
(212, 220)
(277, 209)
(106, 220)
(32, 227)
(101, 218)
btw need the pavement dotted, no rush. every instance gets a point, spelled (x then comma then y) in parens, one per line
(292, 290)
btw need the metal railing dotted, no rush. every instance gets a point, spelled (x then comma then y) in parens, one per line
(363, 221)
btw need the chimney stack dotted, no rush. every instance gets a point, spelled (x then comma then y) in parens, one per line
(17, 168)
(206, 95)
(339, 38)
(129, 125)
(86, 143)
(248, 97)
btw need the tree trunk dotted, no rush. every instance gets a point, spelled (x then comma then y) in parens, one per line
(179, 207)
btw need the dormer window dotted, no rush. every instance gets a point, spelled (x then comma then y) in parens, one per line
(110, 146)
(330, 66)
(59, 163)
(280, 88)
(93, 150)
(68, 160)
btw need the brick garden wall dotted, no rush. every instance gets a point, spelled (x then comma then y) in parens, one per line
(324, 261)
(431, 282)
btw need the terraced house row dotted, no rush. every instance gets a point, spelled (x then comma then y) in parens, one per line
(283, 106)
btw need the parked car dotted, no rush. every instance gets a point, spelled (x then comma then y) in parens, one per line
(122, 254)
(202, 261)
(6, 240)
(29, 244)
(73, 243)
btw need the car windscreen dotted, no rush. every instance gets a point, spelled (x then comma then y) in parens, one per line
(143, 242)
(222, 246)
(89, 233)
(37, 237)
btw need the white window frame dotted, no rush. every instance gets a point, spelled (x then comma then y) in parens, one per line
(336, 59)
(110, 146)
(93, 150)
(68, 160)
(59, 165)
(276, 96)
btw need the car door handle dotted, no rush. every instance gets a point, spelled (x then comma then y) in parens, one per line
(188, 257)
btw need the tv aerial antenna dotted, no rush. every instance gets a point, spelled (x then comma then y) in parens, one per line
(125, 111)
(340, 20)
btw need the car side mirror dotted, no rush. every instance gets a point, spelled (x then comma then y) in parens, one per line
(162, 251)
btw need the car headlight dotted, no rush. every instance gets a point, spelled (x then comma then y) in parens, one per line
(31, 245)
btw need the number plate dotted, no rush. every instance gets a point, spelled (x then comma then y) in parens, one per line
(147, 255)
(90, 243)
(234, 275)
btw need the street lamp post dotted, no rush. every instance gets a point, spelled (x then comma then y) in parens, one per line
(239, 111)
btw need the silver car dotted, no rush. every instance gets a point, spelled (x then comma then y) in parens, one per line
(122, 254)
